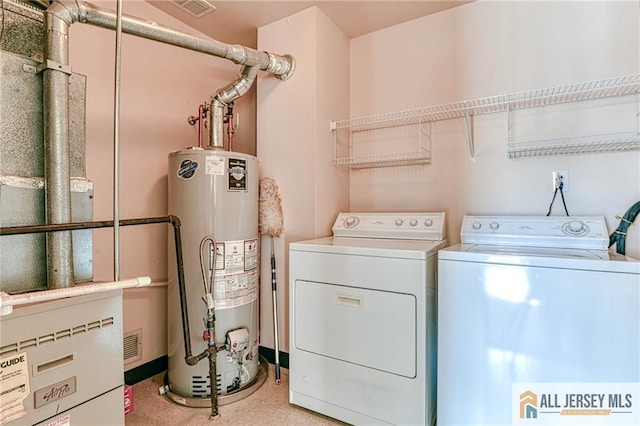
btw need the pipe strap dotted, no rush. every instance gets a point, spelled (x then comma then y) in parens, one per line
(49, 64)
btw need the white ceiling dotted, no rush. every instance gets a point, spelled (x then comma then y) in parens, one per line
(236, 22)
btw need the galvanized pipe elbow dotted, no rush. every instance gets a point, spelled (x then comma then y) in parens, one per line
(239, 86)
(66, 11)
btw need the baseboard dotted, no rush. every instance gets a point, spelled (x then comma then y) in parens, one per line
(146, 370)
(270, 355)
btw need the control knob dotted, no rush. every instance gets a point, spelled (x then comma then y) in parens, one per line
(476, 225)
(399, 222)
(575, 228)
(494, 225)
(428, 222)
(413, 222)
(351, 221)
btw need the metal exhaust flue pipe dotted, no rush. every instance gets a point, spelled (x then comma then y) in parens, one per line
(224, 96)
(281, 66)
(56, 147)
(58, 17)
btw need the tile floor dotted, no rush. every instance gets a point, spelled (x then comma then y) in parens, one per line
(269, 405)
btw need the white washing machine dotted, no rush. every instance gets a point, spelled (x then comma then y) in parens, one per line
(362, 309)
(537, 300)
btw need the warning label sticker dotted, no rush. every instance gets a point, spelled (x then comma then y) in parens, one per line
(235, 289)
(14, 387)
(234, 256)
(250, 255)
(62, 421)
(236, 273)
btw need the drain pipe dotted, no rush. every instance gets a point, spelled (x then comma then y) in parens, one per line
(58, 17)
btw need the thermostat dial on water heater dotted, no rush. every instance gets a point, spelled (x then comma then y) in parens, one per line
(414, 226)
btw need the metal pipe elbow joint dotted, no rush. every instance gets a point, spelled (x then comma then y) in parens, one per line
(67, 11)
(282, 67)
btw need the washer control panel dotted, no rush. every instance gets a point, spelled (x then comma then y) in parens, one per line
(414, 226)
(581, 232)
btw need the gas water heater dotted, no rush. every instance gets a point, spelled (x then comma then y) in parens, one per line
(214, 193)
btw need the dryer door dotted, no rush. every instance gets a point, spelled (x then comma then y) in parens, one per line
(370, 328)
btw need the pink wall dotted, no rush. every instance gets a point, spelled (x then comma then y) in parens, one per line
(486, 49)
(161, 86)
(295, 145)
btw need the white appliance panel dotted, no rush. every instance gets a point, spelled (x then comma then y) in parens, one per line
(359, 395)
(378, 247)
(553, 311)
(391, 276)
(536, 231)
(356, 312)
(537, 251)
(594, 260)
(420, 226)
(530, 325)
(374, 273)
(102, 410)
(74, 344)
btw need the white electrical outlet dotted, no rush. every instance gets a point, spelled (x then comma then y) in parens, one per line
(561, 177)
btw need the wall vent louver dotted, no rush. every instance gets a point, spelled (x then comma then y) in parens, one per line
(132, 346)
(197, 8)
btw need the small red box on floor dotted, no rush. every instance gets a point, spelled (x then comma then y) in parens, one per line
(128, 399)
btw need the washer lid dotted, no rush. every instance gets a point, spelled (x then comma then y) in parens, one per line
(380, 247)
(537, 251)
(559, 258)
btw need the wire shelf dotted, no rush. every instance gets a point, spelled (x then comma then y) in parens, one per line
(387, 160)
(575, 92)
(595, 89)
(628, 141)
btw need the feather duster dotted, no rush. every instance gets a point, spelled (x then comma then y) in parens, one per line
(270, 217)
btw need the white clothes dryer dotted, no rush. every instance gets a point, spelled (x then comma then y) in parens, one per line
(363, 319)
(532, 300)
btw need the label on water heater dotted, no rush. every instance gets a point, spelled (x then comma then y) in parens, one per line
(237, 256)
(214, 165)
(237, 174)
(187, 169)
(230, 290)
(250, 255)
(236, 281)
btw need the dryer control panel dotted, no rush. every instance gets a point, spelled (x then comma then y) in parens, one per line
(409, 226)
(579, 232)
